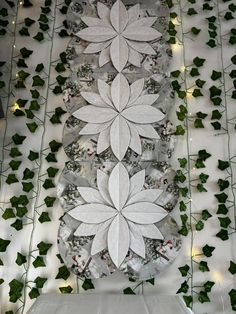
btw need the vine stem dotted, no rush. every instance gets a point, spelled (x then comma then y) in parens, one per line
(226, 114)
(39, 170)
(188, 149)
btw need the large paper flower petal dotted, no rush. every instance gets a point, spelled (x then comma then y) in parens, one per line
(102, 183)
(147, 130)
(143, 114)
(118, 240)
(120, 92)
(119, 53)
(135, 90)
(133, 13)
(90, 195)
(150, 231)
(96, 34)
(105, 92)
(119, 16)
(94, 99)
(141, 47)
(136, 183)
(141, 33)
(99, 242)
(137, 244)
(94, 114)
(119, 137)
(103, 140)
(144, 213)
(97, 47)
(149, 195)
(94, 128)
(119, 186)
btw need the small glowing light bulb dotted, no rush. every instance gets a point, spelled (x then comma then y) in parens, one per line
(17, 74)
(21, 2)
(217, 276)
(183, 68)
(14, 46)
(13, 22)
(15, 107)
(175, 47)
(194, 168)
(195, 251)
(190, 139)
(175, 21)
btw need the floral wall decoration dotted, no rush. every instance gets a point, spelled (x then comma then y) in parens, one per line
(119, 188)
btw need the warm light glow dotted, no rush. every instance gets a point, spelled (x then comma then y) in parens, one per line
(14, 46)
(175, 21)
(15, 107)
(183, 68)
(217, 276)
(190, 93)
(21, 2)
(194, 251)
(13, 22)
(176, 47)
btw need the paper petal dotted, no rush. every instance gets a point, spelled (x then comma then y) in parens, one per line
(105, 92)
(96, 47)
(143, 114)
(85, 230)
(119, 137)
(119, 16)
(134, 58)
(133, 13)
(144, 213)
(135, 143)
(119, 53)
(90, 195)
(94, 128)
(150, 195)
(92, 213)
(120, 92)
(135, 90)
(93, 99)
(103, 12)
(102, 183)
(94, 114)
(103, 140)
(119, 186)
(93, 21)
(142, 47)
(118, 240)
(141, 33)
(147, 130)
(99, 242)
(137, 244)
(148, 99)
(145, 21)
(136, 183)
(150, 231)
(104, 57)
(96, 34)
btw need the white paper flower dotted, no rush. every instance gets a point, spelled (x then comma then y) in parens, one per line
(120, 115)
(119, 35)
(119, 214)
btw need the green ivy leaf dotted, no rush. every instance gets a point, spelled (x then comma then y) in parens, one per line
(151, 281)
(223, 184)
(14, 152)
(179, 130)
(183, 231)
(233, 59)
(28, 22)
(194, 72)
(39, 36)
(211, 43)
(203, 177)
(43, 247)
(18, 225)
(197, 93)
(52, 172)
(191, 11)
(21, 211)
(216, 115)
(67, 289)
(207, 250)
(43, 18)
(57, 90)
(184, 270)
(182, 206)
(222, 164)
(206, 215)
(21, 259)
(20, 84)
(199, 164)
(224, 222)
(200, 83)
(8, 214)
(223, 235)
(59, 111)
(188, 300)
(60, 67)
(222, 197)
(34, 105)
(232, 268)
(4, 244)
(21, 102)
(34, 293)
(39, 262)
(199, 225)
(207, 6)
(216, 75)
(203, 266)
(39, 67)
(179, 176)
(37, 81)
(201, 188)
(40, 281)
(232, 295)
(175, 73)
(28, 174)
(48, 184)
(19, 113)
(183, 191)
(49, 201)
(208, 286)
(214, 91)
(228, 16)
(27, 4)
(203, 155)
(24, 31)
(201, 115)
(3, 12)
(61, 79)
(21, 200)
(33, 155)
(18, 139)
(182, 162)
(25, 52)
(183, 288)
(44, 217)
(198, 123)
(15, 292)
(21, 63)
(51, 157)
(1, 281)
(32, 126)
(63, 9)
(34, 93)
(45, 10)
(203, 297)
(63, 33)
(198, 61)
(216, 101)
(44, 27)
(27, 186)
(11, 178)
(222, 209)
(195, 30)
(63, 273)
(23, 75)
(55, 146)
(216, 125)
(15, 164)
